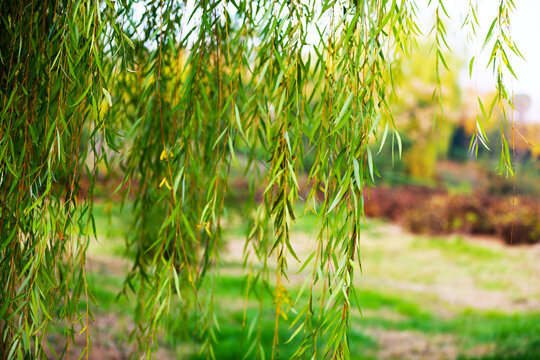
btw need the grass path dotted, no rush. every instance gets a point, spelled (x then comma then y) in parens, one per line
(422, 298)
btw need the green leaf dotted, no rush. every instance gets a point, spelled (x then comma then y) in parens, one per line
(370, 163)
(489, 33)
(130, 43)
(238, 121)
(385, 133)
(107, 97)
(356, 169)
(398, 141)
(336, 201)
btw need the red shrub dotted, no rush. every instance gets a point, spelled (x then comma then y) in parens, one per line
(424, 210)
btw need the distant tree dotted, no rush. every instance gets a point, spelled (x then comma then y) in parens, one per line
(169, 91)
(427, 123)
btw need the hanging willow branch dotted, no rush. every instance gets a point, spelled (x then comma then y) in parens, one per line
(169, 94)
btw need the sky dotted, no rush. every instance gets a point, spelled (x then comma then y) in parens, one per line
(525, 31)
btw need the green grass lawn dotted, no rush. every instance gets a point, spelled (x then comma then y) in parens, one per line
(421, 297)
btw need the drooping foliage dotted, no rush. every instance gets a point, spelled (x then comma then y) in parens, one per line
(169, 94)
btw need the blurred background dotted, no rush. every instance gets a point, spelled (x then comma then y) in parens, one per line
(450, 249)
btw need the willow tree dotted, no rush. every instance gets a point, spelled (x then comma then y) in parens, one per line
(170, 93)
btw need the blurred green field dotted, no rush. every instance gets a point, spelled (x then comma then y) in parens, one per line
(421, 297)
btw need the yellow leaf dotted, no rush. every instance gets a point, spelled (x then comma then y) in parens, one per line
(164, 154)
(166, 183)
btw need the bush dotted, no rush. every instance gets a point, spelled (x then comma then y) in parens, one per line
(520, 226)
(393, 203)
(446, 214)
(424, 210)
